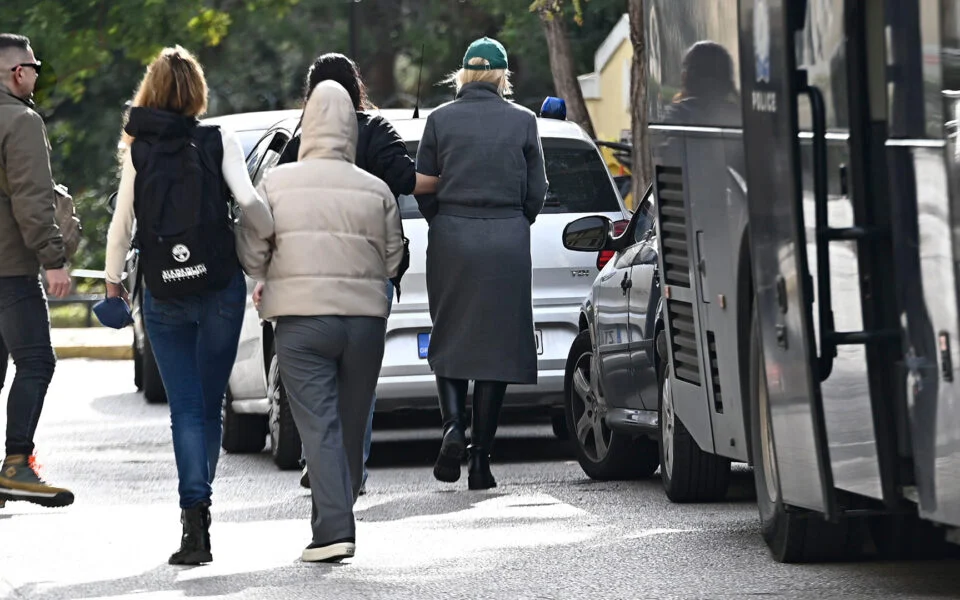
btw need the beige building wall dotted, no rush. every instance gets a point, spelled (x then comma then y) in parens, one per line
(610, 112)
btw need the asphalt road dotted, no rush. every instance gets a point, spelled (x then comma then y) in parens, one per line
(546, 532)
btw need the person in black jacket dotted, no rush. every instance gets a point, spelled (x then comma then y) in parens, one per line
(380, 151)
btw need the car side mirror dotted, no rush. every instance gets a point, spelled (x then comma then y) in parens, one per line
(587, 234)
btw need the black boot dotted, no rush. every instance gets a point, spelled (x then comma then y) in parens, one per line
(195, 543)
(487, 400)
(453, 400)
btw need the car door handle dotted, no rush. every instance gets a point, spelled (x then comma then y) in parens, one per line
(626, 284)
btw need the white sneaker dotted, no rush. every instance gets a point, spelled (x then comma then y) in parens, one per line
(334, 552)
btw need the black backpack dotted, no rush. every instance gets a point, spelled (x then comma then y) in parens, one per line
(184, 214)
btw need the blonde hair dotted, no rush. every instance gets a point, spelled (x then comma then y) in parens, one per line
(174, 82)
(498, 77)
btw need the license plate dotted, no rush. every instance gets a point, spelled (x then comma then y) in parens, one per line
(423, 343)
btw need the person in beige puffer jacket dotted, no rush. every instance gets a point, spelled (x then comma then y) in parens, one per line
(336, 241)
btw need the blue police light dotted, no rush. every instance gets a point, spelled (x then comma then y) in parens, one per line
(554, 108)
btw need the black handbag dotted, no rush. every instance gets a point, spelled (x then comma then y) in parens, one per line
(404, 262)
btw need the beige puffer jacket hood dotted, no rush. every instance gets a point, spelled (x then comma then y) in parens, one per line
(329, 128)
(337, 236)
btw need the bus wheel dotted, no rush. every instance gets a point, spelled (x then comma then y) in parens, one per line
(688, 473)
(791, 534)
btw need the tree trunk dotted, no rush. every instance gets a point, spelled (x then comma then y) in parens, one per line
(377, 28)
(564, 72)
(642, 169)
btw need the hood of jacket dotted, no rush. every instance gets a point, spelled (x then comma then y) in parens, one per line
(329, 127)
(151, 122)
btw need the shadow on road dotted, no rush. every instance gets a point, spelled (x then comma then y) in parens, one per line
(165, 578)
(422, 505)
(742, 488)
(423, 452)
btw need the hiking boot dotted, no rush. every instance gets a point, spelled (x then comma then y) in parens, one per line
(195, 542)
(20, 481)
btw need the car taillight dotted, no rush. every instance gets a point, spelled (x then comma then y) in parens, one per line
(606, 255)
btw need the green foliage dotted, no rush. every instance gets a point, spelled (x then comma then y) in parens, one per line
(553, 8)
(255, 55)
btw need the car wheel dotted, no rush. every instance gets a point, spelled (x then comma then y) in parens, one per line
(558, 421)
(137, 367)
(603, 454)
(242, 434)
(284, 438)
(688, 473)
(792, 536)
(152, 383)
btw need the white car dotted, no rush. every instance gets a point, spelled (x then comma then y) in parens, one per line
(580, 184)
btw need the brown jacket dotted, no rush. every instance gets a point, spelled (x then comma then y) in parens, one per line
(29, 235)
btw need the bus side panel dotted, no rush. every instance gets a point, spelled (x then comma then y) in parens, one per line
(846, 392)
(823, 53)
(694, 109)
(778, 249)
(677, 275)
(933, 396)
(925, 184)
(718, 217)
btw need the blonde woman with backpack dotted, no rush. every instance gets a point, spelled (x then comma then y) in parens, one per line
(176, 183)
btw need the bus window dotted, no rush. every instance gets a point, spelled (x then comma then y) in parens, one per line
(694, 66)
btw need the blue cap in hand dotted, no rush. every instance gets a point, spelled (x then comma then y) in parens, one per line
(113, 312)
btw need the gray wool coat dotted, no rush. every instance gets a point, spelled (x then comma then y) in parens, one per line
(488, 156)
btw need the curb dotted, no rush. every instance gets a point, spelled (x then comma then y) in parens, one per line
(95, 352)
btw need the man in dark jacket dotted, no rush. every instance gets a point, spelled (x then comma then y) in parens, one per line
(29, 240)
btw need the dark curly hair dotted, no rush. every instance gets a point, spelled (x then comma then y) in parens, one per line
(339, 68)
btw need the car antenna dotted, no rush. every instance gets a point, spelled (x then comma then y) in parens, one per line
(416, 108)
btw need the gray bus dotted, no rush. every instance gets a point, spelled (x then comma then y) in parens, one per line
(806, 179)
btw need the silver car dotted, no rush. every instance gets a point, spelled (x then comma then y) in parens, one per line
(579, 184)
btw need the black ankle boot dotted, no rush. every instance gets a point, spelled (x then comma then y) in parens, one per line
(487, 400)
(480, 477)
(453, 399)
(195, 543)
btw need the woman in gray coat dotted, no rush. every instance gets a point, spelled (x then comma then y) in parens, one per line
(486, 155)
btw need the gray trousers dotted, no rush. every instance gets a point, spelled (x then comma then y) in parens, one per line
(330, 367)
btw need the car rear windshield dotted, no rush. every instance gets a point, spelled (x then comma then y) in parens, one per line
(579, 180)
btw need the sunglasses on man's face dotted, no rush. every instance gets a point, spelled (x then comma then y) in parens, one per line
(35, 66)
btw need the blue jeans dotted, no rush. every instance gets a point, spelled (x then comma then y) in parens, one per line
(194, 340)
(24, 335)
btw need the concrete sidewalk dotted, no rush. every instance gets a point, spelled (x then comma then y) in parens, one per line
(93, 342)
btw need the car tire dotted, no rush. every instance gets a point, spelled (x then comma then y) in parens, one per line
(285, 444)
(558, 421)
(688, 473)
(137, 367)
(153, 389)
(603, 454)
(793, 536)
(242, 434)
